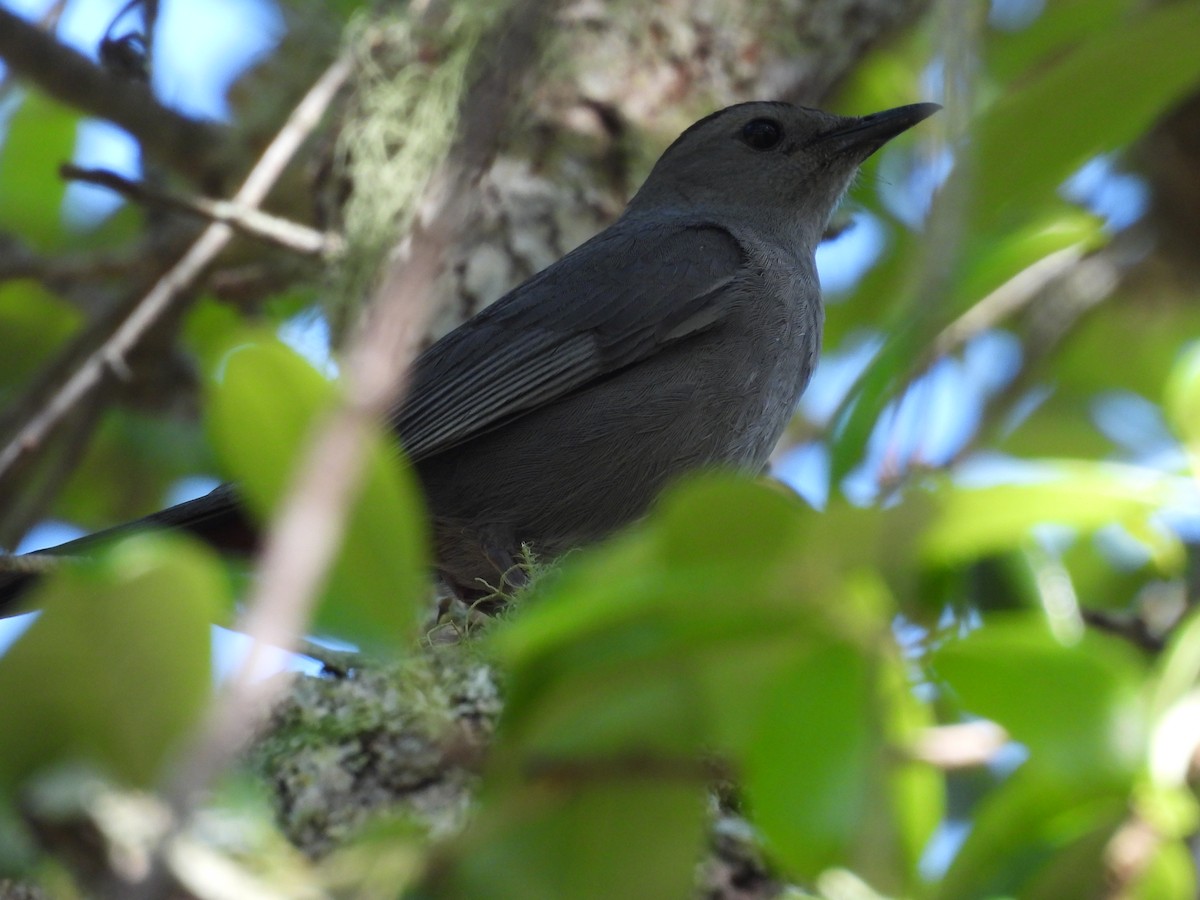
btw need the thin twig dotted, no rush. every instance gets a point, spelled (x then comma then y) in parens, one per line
(1007, 300)
(109, 359)
(966, 745)
(243, 219)
(199, 150)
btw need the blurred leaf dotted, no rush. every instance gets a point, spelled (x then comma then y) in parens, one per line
(808, 770)
(1076, 707)
(131, 461)
(1133, 346)
(1060, 426)
(996, 259)
(116, 668)
(1035, 829)
(862, 408)
(911, 322)
(821, 775)
(211, 329)
(886, 78)
(1174, 708)
(1179, 665)
(1100, 581)
(34, 323)
(1170, 871)
(916, 792)
(1032, 139)
(1026, 146)
(758, 642)
(977, 522)
(1182, 400)
(591, 833)
(260, 415)
(1063, 25)
(40, 136)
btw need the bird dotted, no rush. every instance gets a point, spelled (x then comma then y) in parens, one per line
(679, 338)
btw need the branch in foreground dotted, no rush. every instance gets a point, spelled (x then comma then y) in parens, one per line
(963, 746)
(243, 219)
(200, 150)
(306, 533)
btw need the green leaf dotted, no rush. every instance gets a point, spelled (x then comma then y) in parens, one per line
(132, 460)
(1170, 871)
(34, 323)
(1133, 346)
(976, 522)
(1036, 836)
(1182, 399)
(1061, 27)
(1025, 146)
(1077, 708)
(260, 414)
(1034, 137)
(993, 259)
(588, 833)
(39, 138)
(1174, 707)
(116, 669)
(808, 765)
(765, 643)
(1178, 668)
(822, 777)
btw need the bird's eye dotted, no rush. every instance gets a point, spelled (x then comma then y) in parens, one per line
(762, 134)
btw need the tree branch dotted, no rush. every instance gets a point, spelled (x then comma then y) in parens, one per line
(963, 746)
(199, 150)
(243, 219)
(109, 360)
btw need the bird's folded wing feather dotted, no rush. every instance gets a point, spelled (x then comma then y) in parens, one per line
(616, 300)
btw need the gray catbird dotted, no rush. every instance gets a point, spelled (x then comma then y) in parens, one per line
(679, 337)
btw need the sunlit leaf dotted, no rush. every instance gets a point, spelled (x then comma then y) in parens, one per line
(40, 137)
(1033, 138)
(979, 521)
(1182, 401)
(261, 409)
(1179, 665)
(1076, 707)
(1170, 871)
(116, 669)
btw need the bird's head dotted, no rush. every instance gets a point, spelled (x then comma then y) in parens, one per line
(770, 165)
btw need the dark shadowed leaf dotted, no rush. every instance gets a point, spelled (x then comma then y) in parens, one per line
(1036, 836)
(600, 833)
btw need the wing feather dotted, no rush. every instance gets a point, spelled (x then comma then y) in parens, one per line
(617, 299)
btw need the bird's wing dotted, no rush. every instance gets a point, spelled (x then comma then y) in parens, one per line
(614, 301)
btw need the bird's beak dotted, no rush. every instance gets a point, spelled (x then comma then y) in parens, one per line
(866, 134)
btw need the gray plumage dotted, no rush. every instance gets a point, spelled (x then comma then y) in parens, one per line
(678, 338)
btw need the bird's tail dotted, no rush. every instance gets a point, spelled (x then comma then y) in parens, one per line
(218, 518)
